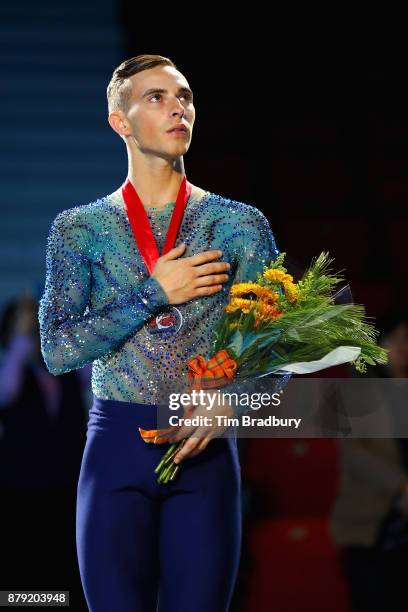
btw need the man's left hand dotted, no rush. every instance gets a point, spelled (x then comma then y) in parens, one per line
(196, 443)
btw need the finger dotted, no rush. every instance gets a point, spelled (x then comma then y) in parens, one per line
(174, 252)
(211, 279)
(185, 432)
(176, 436)
(200, 447)
(197, 434)
(217, 267)
(186, 449)
(164, 439)
(165, 433)
(203, 257)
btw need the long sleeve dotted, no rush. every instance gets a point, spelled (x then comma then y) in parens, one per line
(73, 334)
(256, 247)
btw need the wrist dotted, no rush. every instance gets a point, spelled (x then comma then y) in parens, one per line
(153, 295)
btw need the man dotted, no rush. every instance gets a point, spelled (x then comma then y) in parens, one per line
(138, 540)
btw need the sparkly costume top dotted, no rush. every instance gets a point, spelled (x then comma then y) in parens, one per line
(99, 300)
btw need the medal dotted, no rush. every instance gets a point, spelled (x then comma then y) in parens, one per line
(169, 319)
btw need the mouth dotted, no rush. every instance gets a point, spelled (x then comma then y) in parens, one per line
(178, 132)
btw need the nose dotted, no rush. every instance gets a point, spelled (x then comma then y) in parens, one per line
(180, 106)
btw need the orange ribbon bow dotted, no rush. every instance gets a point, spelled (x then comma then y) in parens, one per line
(149, 436)
(217, 371)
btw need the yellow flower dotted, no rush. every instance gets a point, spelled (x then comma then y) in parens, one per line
(269, 311)
(264, 305)
(273, 274)
(291, 291)
(266, 312)
(239, 304)
(240, 288)
(264, 293)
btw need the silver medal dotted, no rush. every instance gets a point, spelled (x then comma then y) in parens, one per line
(166, 322)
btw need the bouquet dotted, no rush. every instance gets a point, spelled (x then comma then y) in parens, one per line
(272, 324)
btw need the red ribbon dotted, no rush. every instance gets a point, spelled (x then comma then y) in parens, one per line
(140, 224)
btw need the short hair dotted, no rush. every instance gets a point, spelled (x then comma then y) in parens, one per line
(119, 90)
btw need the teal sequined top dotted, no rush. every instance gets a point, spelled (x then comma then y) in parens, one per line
(99, 300)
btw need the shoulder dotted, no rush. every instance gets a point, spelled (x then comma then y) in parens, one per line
(78, 225)
(81, 214)
(236, 209)
(84, 218)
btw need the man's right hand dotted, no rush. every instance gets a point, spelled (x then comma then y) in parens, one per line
(190, 277)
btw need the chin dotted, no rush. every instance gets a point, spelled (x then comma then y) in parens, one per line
(178, 151)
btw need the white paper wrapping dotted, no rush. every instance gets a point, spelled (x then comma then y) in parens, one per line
(341, 354)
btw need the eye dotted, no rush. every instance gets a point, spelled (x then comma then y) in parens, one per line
(187, 96)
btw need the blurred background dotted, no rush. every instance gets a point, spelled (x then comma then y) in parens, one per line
(315, 142)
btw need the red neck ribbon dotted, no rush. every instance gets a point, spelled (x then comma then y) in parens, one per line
(140, 224)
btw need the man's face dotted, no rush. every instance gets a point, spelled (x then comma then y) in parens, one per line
(152, 113)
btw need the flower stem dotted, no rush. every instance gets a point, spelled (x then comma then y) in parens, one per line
(168, 454)
(167, 469)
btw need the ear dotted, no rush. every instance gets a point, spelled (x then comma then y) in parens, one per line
(118, 123)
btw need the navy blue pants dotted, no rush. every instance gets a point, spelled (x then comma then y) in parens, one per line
(144, 546)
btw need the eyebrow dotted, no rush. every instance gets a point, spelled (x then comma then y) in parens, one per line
(160, 90)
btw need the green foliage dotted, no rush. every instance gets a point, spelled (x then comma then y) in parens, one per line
(307, 329)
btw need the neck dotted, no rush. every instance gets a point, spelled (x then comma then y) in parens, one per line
(156, 180)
